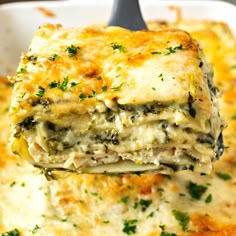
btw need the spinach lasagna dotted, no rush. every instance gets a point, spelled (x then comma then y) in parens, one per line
(106, 99)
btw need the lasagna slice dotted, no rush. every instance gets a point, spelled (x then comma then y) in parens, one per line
(109, 100)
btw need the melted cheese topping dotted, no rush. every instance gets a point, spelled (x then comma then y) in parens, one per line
(147, 204)
(123, 61)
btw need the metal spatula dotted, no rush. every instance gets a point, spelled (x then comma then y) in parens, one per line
(127, 14)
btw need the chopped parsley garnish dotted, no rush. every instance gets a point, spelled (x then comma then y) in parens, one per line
(161, 77)
(63, 86)
(82, 96)
(32, 58)
(208, 198)
(164, 233)
(14, 232)
(94, 194)
(21, 71)
(99, 78)
(130, 226)
(104, 88)
(64, 219)
(136, 204)
(182, 218)
(41, 91)
(35, 229)
(151, 214)
(13, 184)
(53, 58)
(53, 84)
(73, 84)
(153, 88)
(117, 87)
(173, 49)
(72, 50)
(106, 221)
(119, 47)
(223, 176)
(196, 191)
(145, 204)
(93, 95)
(124, 199)
(156, 52)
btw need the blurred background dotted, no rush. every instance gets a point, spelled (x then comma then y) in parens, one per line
(4, 1)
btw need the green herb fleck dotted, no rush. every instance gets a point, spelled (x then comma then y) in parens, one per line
(182, 218)
(156, 52)
(21, 71)
(32, 58)
(153, 88)
(151, 214)
(53, 84)
(173, 49)
(130, 226)
(161, 77)
(145, 204)
(136, 204)
(63, 86)
(119, 47)
(64, 219)
(13, 184)
(208, 198)
(124, 199)
(104, 88)
(106, 221)
(41, 91)
(224, 176)
(72, 50)
(117, 88)
(14, 232)
(35, 229)
(164, 233)
(196, 191)
(53, 58)
(73, 84)
(93, 95)
(99, 78)
(94, 194)
(22, 184)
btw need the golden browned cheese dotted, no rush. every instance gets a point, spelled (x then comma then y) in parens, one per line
(182, 204)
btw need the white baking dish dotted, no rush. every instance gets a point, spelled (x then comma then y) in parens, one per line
(18, 21)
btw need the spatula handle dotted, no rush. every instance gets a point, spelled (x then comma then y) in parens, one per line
(127, 14)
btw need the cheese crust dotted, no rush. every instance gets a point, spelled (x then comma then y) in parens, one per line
(82, 205)
(106, 99)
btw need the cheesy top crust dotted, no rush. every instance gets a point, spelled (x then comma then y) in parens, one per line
(84, 66)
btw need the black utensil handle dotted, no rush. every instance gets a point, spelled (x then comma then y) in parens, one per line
(127, 14)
